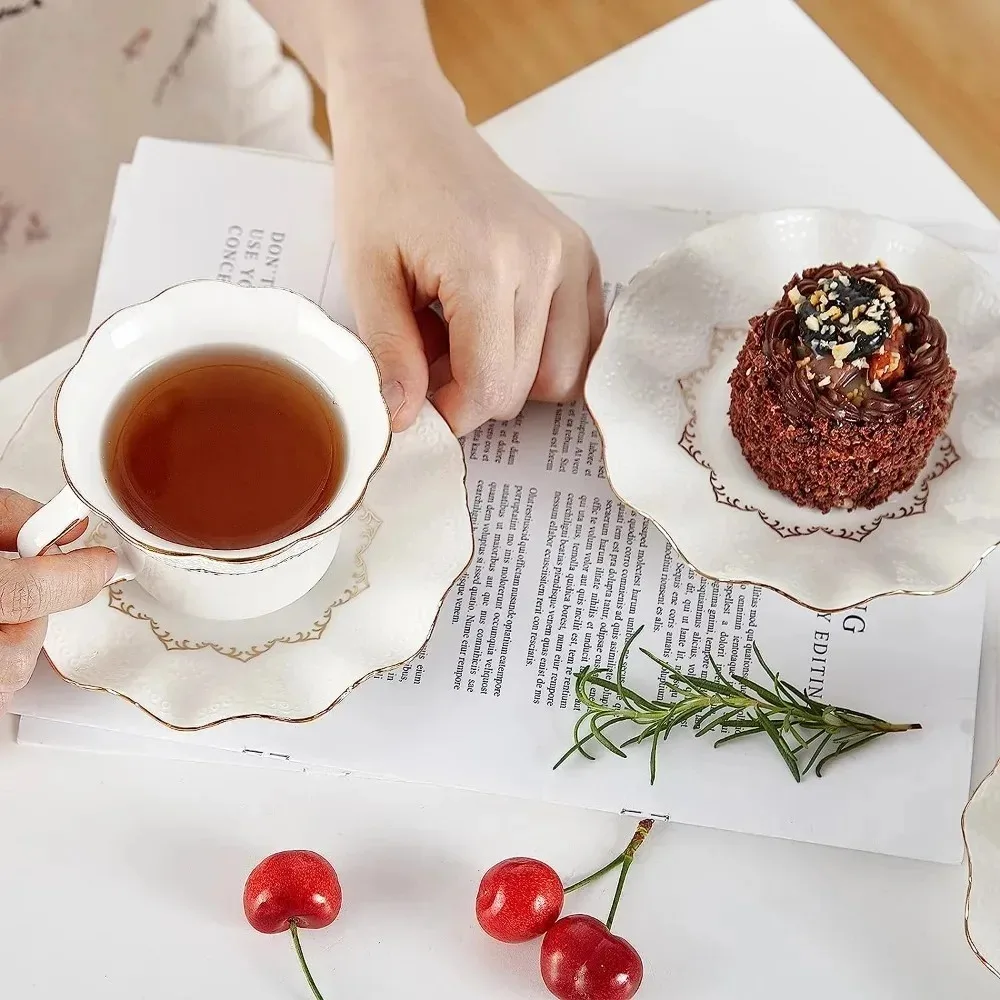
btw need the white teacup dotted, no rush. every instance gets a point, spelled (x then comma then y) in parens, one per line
(207, 583)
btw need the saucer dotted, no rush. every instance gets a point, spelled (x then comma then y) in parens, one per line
(658, 392)
(981, 829)
(400, 553)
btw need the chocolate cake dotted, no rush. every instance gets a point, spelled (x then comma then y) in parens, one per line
(842, 388)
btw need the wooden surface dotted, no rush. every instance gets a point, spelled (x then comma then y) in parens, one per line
(937, 61)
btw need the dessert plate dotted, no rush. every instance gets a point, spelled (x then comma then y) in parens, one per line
(981, 829)
(658, 392)
(400, 553)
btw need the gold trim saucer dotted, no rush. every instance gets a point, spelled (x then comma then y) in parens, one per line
(373, 611)
(660, 333)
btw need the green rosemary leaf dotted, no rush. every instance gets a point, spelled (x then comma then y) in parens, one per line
(583, 690)
(681, 715)
(679, 676)
(862, 721)
(849, 713)
(805, 744)
(704, 685)
(770, 673)
(644, 735)
(780, 745)
(578, 742)
(576, 748)
(592, 704)
(758, 689)
(718, 670)
(796, 696)
(782, 688)
(597, 732)
(738, 735)
(692, 681)
(702, 720)
(652, 756)
(642, 704)
(718, 722)
(789, 729)
(817, 753)
(595, 679)
(622, 658)
(578, 745)
(845, 749)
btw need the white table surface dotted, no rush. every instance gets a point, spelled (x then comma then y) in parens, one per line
(121, 877)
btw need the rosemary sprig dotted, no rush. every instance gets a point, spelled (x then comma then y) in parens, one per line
(807, 733)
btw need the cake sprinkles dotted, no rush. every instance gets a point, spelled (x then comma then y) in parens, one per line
(842, 388)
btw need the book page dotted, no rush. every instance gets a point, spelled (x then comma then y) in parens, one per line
(562, 574)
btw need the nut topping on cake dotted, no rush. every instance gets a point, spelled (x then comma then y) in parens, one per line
(843, 322)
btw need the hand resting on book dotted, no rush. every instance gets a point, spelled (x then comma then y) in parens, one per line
(426, 212)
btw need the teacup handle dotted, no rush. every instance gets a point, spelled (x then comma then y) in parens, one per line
(53, 520)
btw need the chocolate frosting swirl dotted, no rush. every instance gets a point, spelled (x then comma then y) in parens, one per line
(803, 399)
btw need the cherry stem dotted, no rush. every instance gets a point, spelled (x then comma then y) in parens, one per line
(622, 861)
(628, 856)
(618, 893)
(294, 928)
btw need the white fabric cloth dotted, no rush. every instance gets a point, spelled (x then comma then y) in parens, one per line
(80, 82)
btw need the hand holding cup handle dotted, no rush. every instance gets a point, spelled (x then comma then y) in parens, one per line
(55, 519)
(43, 582)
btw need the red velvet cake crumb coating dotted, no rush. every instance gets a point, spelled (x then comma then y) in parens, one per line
(841, 390)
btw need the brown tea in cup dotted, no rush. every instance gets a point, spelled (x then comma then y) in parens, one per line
(224, 448)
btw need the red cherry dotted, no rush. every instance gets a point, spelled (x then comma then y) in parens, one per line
(292, 887)
(583, 960)
(519, 899)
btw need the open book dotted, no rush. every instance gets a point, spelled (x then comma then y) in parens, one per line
(561, 575)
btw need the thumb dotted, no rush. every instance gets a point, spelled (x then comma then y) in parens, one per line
(44, 585)
(386, 323)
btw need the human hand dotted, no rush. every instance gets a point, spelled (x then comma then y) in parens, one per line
(426, 210)
(32, 588)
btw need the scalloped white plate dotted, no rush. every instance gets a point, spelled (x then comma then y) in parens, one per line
(981, 829)
(658, 392)
(399, 555)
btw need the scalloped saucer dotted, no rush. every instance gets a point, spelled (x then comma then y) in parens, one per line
(981, 830)
(399, 555)
(658, 391)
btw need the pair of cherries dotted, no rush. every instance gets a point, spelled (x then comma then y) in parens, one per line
(521, 899)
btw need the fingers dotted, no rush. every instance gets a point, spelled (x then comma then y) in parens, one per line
(482, 359)
(440, 374)
(44, 585)
(20, 645)
(384, 310)
(595, 303)
(567, 346)
(15, 510)
(574, 324)
(30, 589)
(433, 334)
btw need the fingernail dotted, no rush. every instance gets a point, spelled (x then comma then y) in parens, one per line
(395, 397)
(112, 566)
